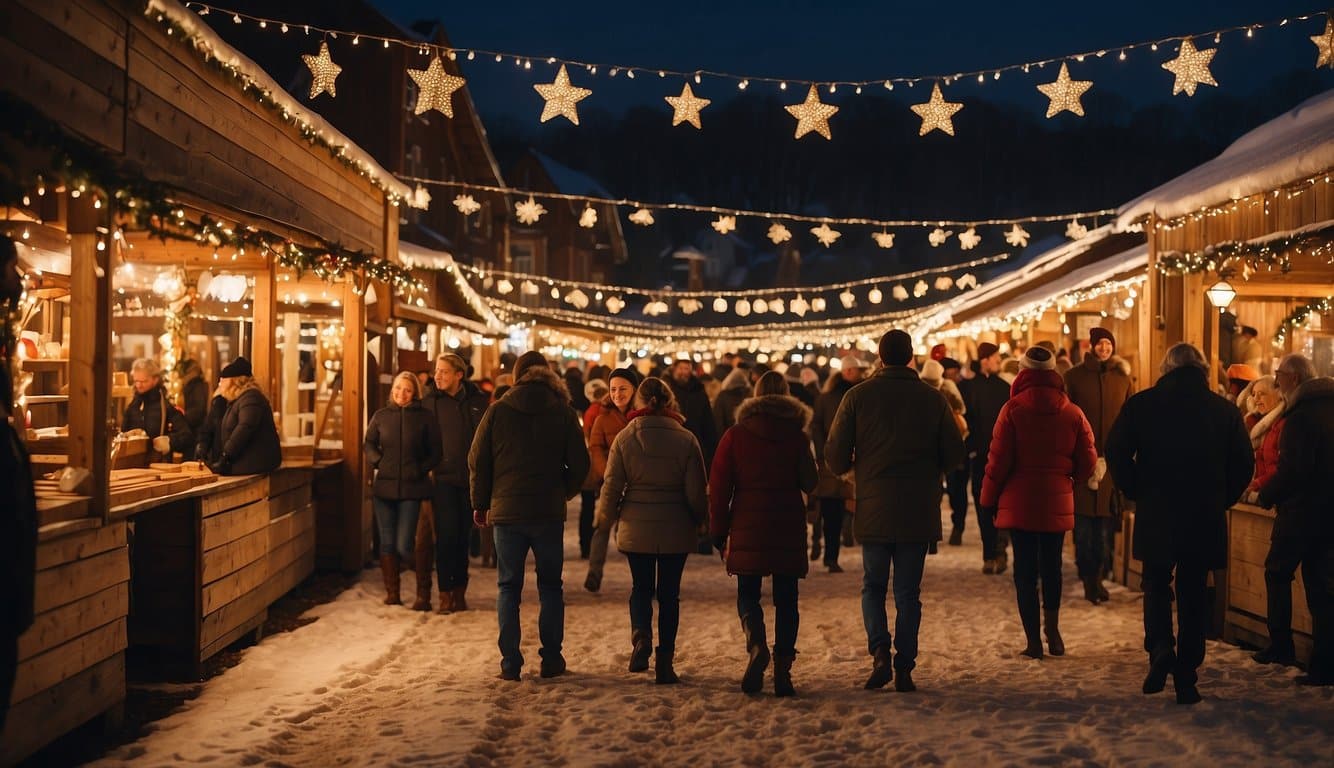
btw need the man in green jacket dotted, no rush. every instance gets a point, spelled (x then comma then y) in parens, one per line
(898, 434)
(527, 459)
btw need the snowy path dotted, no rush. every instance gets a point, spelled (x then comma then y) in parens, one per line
(371, 685)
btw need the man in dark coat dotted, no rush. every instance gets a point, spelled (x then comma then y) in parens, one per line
(458, 406)
(831, 491)
(527, 459)
(898, 433)
(984, 395)
(693, 403)
(735, 389)
(1182, 454)
(1302, 490)
(151, 411)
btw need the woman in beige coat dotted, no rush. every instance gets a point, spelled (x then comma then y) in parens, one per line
(655, 487)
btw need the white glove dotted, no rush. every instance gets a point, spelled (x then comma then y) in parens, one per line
(1252, 497)
(162, 444)
(1100, 468)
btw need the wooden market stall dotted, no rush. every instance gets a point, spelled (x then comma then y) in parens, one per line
(1260, 219)
(148, 109)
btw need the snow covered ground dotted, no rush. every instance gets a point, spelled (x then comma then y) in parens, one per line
(368, 684)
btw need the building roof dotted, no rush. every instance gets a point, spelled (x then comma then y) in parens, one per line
(569, 181)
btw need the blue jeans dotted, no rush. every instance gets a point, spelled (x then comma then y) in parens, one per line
(397, 521)
(787, 618)
(908, 561)
(1093, 546)
(660, 576)
(512, 544)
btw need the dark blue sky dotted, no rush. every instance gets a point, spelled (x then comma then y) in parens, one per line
(857, 39)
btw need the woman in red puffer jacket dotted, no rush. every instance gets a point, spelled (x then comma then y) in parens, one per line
(1042, 445)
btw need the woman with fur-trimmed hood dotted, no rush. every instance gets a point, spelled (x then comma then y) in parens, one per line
(757, 511)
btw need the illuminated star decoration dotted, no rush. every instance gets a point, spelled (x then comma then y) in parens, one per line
(938, 237)
(883, 239)
(467, 205)
(686, 107)
(1324, 44)
(323, 71)
(799, 306)
(435, 87)
(812, 115)
(643, 217)
(825, 235)
(1017, 236)
(1075, 230)
(1065, 93)
(968, 239)
(561, 97)
(1191, 68)
(529, 211)
(936, 113)
(724, 224)
(779, 233)
(589, 218)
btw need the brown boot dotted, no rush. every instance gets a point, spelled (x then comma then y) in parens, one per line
(460, 599)
(389, 570)
(425, 557)
(446, 602)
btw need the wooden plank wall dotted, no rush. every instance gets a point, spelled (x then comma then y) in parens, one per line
(71, 664)
(1249, 530)
(233, 565)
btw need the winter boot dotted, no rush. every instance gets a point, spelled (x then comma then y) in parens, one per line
(1051, 623)
(783, 675)
(389, 570)
(446, 602)
(425, 559)
(1159, 667)
(903, 683)
(1103, 594)
(1028, 615)
(594, 580)
(1276, 654)
(752, 624)
(815, 550)
(459, 598)
(663, 674)
(882, 670)
(1092, 590)
(956, 537)
(641, 641)
(1002, 560)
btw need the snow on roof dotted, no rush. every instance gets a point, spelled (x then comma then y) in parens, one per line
(1288, 148)
(416, 256)
(1087, 276)
(569, 181)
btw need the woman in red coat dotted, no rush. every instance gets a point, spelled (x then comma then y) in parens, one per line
(1042, 445)
(757, 515)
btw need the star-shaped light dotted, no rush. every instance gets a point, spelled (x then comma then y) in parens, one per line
(642, 216)
(529, 211)
(825, 235)
(1324, 44)
(435, 87)
(561, 97)
(589, 218)
(938, 237)
(686, 107)
(812, 115)
(1191, 68)
(690, 306)
(724, 224)
(779, 233)
(323, 72)
(936, 113)
(883, 239)
(798, 306)
(467, 205)
(1017, 236)
(1065, 93)
(1075, 231)
(968, 239)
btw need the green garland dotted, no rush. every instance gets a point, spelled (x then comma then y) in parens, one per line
(1299, 317)
(1267, 255)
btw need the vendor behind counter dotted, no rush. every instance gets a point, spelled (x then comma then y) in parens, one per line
(151, 411)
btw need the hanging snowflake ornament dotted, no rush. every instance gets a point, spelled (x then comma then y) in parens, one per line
(642, 216)
(720, 304)
(875, 296)
(966, 280)
(1076, 231)
(883, 239)
(818, 304)
(528, 288)
(742, 307)
(504, 286)
(724, 224)
(589, 218)
(421, 199)
(899, 293)
(690, 306)
(655, 308)
(323, 72)
(938, 237)
(849, 300)
(435, 88)
(799, 306)
(487, 282)
(577, 298)
(1324, 45)
(779, 233)
(528, 211)
(615, 304)
(968, 239)
(825, 234)
(1017, 236)
(919, 288)
(1191, 68)
(561, 97)
(467, 205)
(944, 283)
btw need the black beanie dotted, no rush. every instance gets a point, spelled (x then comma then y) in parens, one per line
(629, 374)
(238, 367)
(896, 348)
(528, 360)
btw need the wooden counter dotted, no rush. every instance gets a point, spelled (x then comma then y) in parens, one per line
(1249, 528)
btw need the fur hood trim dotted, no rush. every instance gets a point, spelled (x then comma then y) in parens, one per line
(537, 389)
(1115, 362)
(783, 407)
(1266, 422)
(739, 378)
(1316, 389)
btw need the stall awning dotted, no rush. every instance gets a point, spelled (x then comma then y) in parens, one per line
(436, 317)
(416, 256)
(1121, 266)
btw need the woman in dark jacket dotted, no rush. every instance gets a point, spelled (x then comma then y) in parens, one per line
(763, 466)
(403, 444)
(248, 439)
(1041, 448)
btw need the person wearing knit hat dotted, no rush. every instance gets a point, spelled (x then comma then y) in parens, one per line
(527, 360)
(1038, 359)
(984, 394)
(939, 352)
(238, 367)
(1239, 375)
(1100, 386)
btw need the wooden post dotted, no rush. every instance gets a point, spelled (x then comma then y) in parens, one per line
(291, 373)
(262, 347)
(356, 516)
(90, 423)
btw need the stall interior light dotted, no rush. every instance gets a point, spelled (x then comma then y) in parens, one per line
(1221, 294)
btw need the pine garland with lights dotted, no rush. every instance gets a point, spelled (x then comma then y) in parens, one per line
(1265, 255)
(1300, 317)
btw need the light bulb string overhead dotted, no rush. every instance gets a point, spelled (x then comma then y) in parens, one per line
(695, 75)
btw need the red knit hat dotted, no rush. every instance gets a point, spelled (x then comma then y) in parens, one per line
(938, 352)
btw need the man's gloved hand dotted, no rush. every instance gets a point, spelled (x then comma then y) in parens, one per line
(479, 518)
(223, 466)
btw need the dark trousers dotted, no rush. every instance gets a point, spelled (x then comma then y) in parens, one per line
(1315, 556)
(452, 515)
(588, 501)
(1192, 615)
(831, 521)
(991, 541)
(9, 661)
(906, 561)
(787, 618)
(660, 576)
(1093, 546)
(1037, 555)
(956, 488)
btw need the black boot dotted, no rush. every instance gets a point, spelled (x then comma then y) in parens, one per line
(663, 674)
(1051, 623)
(903, 683)
(752, 624)
(642, 641)
(1159, 667)
(783, 675)
(1276, 654)
(1028, 616)
(882, 669)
